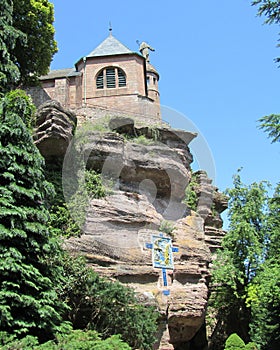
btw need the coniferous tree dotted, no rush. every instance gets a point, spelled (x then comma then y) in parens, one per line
(28, 301)
(9, 72)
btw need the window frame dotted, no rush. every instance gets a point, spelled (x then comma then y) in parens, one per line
(110, 77)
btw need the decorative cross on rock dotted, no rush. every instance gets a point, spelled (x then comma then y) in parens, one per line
(162, 252)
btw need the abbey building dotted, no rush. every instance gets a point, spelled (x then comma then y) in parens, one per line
(111, 77)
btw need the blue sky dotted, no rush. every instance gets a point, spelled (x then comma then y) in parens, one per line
(215, 60)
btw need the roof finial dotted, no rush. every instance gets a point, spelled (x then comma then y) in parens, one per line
(110, 28)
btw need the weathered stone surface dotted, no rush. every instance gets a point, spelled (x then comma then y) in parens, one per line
(159, 171)
(114, 241)
(148, 182)
(54, 129)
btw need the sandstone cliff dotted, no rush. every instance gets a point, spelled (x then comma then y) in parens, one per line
(148, 170)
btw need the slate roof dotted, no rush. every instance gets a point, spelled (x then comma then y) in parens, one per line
(60, 73)
(110, 46)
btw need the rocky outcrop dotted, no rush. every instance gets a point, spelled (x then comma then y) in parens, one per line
(148, 170)
(54, 129)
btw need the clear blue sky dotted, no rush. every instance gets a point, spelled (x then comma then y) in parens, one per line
(215, 60)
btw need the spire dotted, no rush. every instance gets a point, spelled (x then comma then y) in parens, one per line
(110, 28)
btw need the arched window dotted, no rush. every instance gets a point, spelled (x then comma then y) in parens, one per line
(110, 78)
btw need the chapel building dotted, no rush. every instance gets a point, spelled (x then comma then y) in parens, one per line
(111, 78)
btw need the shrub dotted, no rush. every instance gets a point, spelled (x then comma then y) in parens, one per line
(191, 197)
(234, 342)
(75, 340)
(107, 307)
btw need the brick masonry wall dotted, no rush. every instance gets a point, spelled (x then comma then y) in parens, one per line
(75, 92)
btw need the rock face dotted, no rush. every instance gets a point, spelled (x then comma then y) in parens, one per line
(148, 171)
(54, 129)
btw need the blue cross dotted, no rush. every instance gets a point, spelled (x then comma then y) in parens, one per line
(161, 265)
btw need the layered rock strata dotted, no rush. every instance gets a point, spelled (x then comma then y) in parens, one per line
(54, 130)
(148, 170)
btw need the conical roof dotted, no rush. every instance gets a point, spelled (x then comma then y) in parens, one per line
(110, 46)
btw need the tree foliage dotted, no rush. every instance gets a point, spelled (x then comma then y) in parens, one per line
(28, 300)
(271, 10)
(246, 277)
(27, 42)
(244, 250)
(34, 18)
(268, 8)
(264, 292)
(271, 125)
(74, 340)
(9, 72)
(234, 342)
(107, 307)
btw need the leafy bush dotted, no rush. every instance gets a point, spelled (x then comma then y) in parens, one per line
(234, 342)
(107, 307)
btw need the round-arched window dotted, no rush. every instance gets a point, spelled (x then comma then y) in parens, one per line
(110, 78)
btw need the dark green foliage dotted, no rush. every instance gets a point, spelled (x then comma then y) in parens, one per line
(271, 10)
(271, 125)
(75, 340)
(28, 301)
(107, 307)
(234, 342)
(9, 72)
(60, 222)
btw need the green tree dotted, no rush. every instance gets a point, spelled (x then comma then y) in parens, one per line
(264, 294)
(9, 72)
(34, 18)
(28, 301)
(244, 250)
(27, 42)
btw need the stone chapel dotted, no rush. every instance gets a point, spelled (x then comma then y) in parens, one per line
(110, 78)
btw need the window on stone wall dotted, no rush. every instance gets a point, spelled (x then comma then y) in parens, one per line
(110, 78)
(100, 81)
(121, 77)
